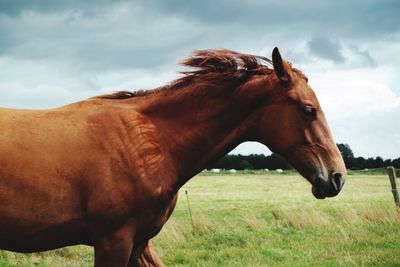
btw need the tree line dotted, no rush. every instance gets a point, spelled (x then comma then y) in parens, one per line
(358, 163)
(274, 161)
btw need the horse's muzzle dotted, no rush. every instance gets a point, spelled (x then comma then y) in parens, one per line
(323, 188)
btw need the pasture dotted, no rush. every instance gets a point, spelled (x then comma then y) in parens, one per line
(266, 219)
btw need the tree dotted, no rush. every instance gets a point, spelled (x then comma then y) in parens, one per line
(378, 162)
(348, 156)
(274, 161)
(245, 165)
(345, 150)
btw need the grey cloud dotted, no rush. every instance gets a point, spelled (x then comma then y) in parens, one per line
(122, 36)
(369, 58)
(13, 8)
(104, 34)
(350, 18)
(365, 57)
(326, 48)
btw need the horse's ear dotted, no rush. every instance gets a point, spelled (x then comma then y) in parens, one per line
(281, 67)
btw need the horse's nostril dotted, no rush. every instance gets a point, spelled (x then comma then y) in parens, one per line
(337, 175)
(337, 181)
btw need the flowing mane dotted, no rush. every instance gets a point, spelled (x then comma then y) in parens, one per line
(210, 66)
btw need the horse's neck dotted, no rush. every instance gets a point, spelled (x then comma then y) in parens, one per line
(199, 125)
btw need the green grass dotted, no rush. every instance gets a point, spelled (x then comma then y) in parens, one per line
(266, 219)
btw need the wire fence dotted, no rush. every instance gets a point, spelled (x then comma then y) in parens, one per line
(392, 172)
(373, 171)
(382, 169)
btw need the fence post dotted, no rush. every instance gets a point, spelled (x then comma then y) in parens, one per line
(392, 176)
(190, 211)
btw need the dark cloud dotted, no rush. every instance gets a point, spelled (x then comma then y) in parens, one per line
(366, 59)
(347, 18)
(121, 36)
(326, 48)
(105, 34)
(92, 36)
(13, 8)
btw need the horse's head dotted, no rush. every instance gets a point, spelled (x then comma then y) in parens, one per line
(294, 126)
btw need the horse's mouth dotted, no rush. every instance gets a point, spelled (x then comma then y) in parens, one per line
(318, 192)
(321, 188)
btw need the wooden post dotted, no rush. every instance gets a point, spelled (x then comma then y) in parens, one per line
(392, 177)
(190, 211)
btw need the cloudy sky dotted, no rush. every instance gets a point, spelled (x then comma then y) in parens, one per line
(56, 52)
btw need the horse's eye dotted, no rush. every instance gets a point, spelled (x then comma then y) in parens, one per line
(310, 111)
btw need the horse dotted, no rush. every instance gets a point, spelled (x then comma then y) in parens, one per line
(106, 171)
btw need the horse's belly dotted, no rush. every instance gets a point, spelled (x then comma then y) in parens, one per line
(72, 233)
(37, 218)
(34, 228)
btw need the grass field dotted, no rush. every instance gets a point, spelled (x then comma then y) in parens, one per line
(266, 220)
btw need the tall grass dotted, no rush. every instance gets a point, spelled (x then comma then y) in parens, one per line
(273, 220)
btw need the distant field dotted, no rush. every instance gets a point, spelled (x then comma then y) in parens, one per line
(266, 219)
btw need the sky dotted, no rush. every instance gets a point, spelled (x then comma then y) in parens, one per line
(56, 52)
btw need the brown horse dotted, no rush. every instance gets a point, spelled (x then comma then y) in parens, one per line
(106, 171)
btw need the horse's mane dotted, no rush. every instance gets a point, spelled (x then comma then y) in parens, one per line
(210, 66)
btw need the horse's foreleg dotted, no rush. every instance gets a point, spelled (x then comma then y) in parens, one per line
(114, 249)
(145, 256)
